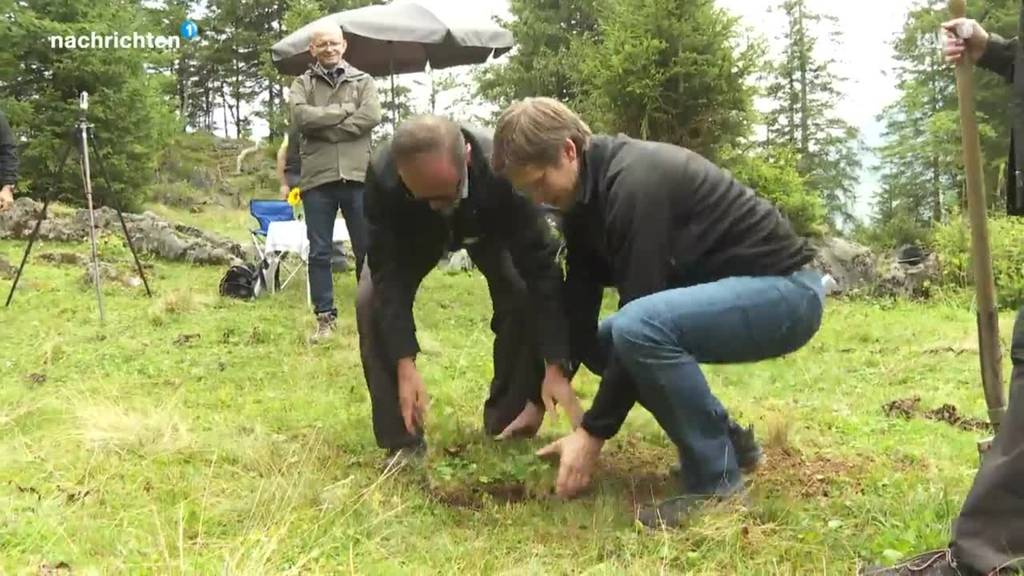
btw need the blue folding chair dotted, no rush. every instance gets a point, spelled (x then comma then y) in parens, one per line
(266, 212)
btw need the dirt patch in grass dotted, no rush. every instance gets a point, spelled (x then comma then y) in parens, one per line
(641, 468)
(903, 408)
(476, 496)
(908, 408)
(949, 414)
(819, 476)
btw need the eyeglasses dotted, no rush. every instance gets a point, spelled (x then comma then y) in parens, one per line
(329, 44)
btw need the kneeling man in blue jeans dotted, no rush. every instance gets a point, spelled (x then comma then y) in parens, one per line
(707, 272)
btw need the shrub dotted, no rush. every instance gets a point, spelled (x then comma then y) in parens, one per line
(952, 243)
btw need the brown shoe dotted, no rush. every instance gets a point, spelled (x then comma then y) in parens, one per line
(325, 326)
(934, 563)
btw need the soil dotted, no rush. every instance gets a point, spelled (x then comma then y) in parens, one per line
(475, 496)
(908, 408)
(788, 471)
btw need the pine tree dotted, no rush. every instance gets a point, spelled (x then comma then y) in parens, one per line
(667, 70)
(805, 92)
(130, 107)
(921, 156)
(541, 64)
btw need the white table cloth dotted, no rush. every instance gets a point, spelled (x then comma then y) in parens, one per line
(290, 236)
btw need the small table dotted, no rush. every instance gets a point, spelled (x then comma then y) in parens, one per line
(290, 237)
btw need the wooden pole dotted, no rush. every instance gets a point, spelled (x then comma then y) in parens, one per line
(981, 256)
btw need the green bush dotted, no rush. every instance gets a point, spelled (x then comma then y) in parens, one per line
(952, 243)
(773, 175)
(898, 231)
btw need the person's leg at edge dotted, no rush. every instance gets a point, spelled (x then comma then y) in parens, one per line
(989, 533)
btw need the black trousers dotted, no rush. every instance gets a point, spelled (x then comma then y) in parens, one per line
(989, 532)
(518, 366)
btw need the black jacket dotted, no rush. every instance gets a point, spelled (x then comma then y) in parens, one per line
(8, 154)
(1003, 57)
(407, 239)
(650, 217)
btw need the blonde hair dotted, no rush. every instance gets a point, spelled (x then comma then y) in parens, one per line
(532, 132)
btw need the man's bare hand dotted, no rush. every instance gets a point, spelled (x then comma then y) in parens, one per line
(556, 390)
(525, 424)
(577, 455)
(412, 396)
(285, 190)
(964, 36)
(6, 197)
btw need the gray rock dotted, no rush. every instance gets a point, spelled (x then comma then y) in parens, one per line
(897, 279)
(110, 274)
(851, 265)
(7, 270)
(150, 233)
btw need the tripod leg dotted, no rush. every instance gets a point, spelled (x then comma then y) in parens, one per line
(120, 215)
(28, 250)
(42, 216)
(87, 181)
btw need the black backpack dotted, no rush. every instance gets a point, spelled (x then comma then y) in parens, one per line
(242, 281)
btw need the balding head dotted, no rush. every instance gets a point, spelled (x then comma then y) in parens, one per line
(431, 155)
(327, 43)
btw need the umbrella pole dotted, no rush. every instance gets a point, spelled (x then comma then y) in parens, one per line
(394, 102)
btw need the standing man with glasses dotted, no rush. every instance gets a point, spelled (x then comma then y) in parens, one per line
(334, 109)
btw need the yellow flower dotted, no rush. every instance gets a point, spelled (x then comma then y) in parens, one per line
(294, 195)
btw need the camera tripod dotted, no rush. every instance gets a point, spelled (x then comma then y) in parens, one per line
(82, 136)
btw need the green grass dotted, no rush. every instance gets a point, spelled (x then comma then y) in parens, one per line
(233, 224)
(191, 434)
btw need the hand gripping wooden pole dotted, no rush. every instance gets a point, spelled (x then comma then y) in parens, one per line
(981, 256)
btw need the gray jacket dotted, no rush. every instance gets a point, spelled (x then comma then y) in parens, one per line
(335, 119)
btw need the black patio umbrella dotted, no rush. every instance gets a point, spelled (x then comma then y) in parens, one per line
(401, 37)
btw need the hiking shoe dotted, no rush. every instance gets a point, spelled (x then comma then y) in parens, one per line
(749, 454)
(934, 563)
(325, 325)
(673, 512)
(398, 458)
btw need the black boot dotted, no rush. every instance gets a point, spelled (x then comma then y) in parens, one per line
(749, 454)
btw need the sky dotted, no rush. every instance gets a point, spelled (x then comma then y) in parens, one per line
(863, 55)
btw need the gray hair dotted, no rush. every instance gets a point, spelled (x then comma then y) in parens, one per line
(426, 134)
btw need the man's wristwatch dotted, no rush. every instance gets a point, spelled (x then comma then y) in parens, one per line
(568, 368)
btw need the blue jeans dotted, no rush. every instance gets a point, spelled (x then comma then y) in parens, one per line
(321, 206)
(662, 338)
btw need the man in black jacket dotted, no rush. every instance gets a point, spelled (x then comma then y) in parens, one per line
(8, 164)
(429, 190)
(706, 272)
(988, 536)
